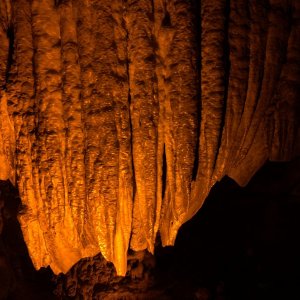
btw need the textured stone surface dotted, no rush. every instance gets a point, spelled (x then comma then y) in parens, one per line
(117, 117)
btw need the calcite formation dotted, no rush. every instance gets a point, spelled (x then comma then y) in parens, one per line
(118, 116)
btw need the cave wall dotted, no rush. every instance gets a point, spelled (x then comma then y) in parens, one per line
(117, 117)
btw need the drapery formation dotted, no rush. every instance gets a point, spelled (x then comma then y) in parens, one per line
(118, 116)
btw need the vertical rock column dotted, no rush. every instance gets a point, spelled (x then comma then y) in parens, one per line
(238, 69)
(177, 49)
(21, 91)
(286, 122)
(7, 140)
(213, 96)
(144, 110)
(49, 173)
(268, 53)
(5, 25)
(121, 94)
(102, 56)
(74, 126)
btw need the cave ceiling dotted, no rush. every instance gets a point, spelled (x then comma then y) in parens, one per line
(117, 117)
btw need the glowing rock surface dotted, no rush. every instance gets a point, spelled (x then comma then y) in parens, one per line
(117, 117)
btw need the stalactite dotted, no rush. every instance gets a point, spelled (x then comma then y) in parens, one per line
(144, 109)
(117, 117)
(181, 115)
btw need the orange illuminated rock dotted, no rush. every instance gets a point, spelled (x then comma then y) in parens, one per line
(117, 117)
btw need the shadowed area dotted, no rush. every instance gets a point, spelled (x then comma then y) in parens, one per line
(243, 243)
(18, 278)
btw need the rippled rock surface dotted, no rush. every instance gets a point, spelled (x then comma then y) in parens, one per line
(117, 117)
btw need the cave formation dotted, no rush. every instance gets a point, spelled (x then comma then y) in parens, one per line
(118, 117)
